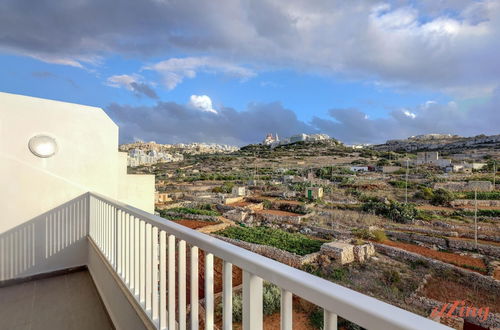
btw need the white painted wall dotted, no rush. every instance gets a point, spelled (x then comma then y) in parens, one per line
(120, 306)
(87, 160)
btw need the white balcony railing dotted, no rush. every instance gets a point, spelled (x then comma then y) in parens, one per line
(142, 249)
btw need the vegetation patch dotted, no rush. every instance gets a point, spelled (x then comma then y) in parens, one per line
(271, 302)
(398, 212)
(294, 243)
(480, 212)
(483, 195)
(189, 210)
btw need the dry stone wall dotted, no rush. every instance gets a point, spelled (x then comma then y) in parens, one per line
(446, 243)
(485, 282)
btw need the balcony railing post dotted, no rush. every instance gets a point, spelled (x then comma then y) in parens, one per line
(252, 301)
(227, 296)
(286, 310)
(194, 288)
(330, 320)
(209, 291)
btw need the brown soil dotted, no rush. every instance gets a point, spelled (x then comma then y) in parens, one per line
(194, 224)
(446, 290)
(240, 204)
(434, 208)
(452, 258)
(277, 212)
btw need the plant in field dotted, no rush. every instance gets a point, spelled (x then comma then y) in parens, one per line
(442, 197)
(295, 243)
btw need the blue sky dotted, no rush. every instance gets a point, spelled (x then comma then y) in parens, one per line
(362, 74)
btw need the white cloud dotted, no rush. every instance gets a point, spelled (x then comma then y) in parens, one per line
(123, 81)
(175, 70)
(202, 102)
(409, 114)
(134, 83)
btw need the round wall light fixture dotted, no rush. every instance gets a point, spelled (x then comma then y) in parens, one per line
(43, 146)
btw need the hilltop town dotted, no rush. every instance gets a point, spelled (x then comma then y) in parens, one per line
(393, 223)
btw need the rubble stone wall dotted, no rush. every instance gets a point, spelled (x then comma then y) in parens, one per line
(485, 282)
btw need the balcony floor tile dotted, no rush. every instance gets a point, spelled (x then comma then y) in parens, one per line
(69, 302)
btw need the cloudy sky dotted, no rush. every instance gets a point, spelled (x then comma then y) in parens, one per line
(230, 71)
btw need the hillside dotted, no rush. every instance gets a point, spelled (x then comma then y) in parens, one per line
(441, 142)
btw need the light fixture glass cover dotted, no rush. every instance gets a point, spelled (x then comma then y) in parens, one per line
(43, 146)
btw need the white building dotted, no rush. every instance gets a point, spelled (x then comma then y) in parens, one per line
(431, 158)
(300, 138)
(238, 191)
(359, 168)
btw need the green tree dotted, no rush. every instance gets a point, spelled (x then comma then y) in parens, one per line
(442, 197)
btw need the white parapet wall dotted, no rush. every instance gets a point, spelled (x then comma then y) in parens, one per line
(87, 159)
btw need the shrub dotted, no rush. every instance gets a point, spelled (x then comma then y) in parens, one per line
(379, 235)
(226, 188)
(272, 298)
(483, 195)
(391, 277)
(425, 193)
(294, 243)
(237, 308)
(271, 302)
(376, 235)
(267, 204)
(442, 197)
(361, 233)
(401, 184)
(398, 212)
(339, 274)
(316, 318)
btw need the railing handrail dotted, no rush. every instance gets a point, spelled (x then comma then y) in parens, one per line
(361, 309)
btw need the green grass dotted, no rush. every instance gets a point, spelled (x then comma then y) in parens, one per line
(483, 195)
(295, 243)
(188, 210)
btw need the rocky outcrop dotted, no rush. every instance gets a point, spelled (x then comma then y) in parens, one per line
(345, 253)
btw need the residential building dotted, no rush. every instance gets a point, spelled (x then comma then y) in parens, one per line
(238, 191)
(314, 192)
(359, 168)
(431, 158)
